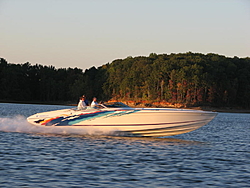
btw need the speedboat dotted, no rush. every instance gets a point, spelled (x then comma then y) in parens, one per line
(117, 117)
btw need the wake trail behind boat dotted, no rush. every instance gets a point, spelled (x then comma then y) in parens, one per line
(20, 124)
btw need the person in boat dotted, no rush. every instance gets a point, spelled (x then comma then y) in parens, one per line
(85, 100)
(81, 105)
(94, 102)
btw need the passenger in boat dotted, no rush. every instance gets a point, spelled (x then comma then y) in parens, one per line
(81, 105)
(85, 100)
(94, 103)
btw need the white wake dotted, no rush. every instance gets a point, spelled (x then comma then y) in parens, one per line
(20, 124)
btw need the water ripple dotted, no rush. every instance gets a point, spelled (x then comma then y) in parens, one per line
(216, 155)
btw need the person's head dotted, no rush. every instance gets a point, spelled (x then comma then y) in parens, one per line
(94, 99)
(82, 98)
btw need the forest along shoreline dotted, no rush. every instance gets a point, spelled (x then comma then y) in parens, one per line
(185, 80)
(144, 104)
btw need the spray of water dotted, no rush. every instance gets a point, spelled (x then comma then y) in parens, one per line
(20, 124)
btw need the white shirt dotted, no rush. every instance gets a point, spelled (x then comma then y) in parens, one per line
(81, 105)
(94, 103)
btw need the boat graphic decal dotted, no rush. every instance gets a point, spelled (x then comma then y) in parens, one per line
(150, 124)
(73, 119)
(121, 113)
(91, 116)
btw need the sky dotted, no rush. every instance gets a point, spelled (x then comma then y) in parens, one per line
(87, 33)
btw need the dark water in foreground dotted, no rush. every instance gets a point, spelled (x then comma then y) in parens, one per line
(216, 155)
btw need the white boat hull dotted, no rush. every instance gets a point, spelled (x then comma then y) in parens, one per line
(154, 122)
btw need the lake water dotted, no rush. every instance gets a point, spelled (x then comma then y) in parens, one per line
(216, 155)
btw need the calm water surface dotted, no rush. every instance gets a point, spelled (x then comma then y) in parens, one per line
(216, 155)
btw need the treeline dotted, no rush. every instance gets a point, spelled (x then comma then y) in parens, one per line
(187, 78)
(38, 83)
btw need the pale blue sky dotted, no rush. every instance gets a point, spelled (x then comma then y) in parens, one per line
(86, 33)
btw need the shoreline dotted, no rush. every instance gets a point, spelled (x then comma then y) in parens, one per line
(221, 109)
(181, 106)
(205, 108)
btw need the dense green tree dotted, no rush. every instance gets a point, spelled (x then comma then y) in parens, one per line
(187, 78)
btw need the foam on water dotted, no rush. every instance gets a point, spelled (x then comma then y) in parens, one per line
(20, 124)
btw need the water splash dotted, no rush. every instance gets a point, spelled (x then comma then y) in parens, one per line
(20, 124)
(14, 124)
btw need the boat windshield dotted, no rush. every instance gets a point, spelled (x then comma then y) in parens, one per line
(115, 105)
